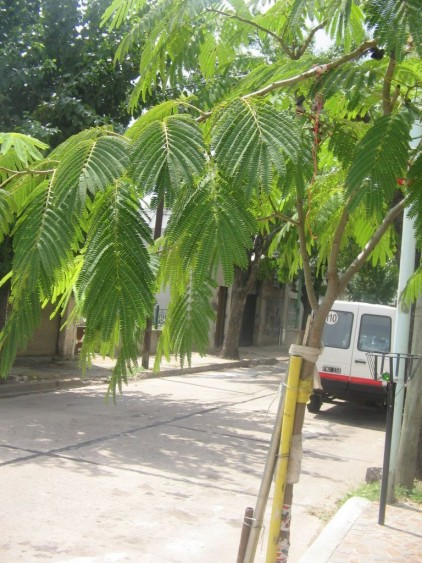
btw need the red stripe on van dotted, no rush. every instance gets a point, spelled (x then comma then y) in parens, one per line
(352, 380)
(364, 381)
(334, 376)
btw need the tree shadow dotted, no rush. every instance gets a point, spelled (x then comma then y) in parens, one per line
(353, 414)
(151, 434)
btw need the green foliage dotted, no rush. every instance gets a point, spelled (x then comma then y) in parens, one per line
(25, 148)
(185, 329)
(392, 21)
(209, 227)
(252, 140)
(57, 69)
(381, 157)
(157, 160)
(116, 282)
(91, 166)
(413, 289)
(258, 133)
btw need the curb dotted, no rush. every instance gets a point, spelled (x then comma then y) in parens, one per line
(334, 532)
(60, 384)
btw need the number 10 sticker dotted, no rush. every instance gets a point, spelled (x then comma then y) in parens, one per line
(332, 318)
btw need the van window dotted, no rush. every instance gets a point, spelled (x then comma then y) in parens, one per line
(374, 333)
(338, 329)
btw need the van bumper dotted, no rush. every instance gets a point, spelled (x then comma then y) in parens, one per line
(359, 389)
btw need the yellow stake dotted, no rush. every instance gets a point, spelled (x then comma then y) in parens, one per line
(283, 454)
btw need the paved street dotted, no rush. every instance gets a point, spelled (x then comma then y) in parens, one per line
(165, 474)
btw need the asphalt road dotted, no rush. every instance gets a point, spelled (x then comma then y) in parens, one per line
(165, 474)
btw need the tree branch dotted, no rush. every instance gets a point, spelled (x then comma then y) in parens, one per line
(305, 45)
(387, 103)
(332, 270)
(25, 171)
(279, 39)
(314, 71)
(305, 258)
(15, 173)
(277, 215)
(372, 243)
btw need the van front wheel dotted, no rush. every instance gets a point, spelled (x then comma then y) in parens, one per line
(315, 402)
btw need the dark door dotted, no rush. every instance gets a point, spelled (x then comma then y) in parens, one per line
(221, 316)
(248, 321)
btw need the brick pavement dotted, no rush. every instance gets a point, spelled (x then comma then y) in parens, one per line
(354, 535)
(400, 539)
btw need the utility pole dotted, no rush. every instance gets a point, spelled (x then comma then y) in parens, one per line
(402, 331)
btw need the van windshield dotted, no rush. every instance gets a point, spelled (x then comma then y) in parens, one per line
(374, 333)
(338, 329)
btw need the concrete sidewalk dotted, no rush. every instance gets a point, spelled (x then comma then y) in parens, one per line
(32, 375)
(354, 535)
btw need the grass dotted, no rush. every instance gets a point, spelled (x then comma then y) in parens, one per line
(371, 491)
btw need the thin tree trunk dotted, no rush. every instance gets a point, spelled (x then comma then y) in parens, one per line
(4, 296)
(407, 464)
(230, 348)
(146, 347)
(244, 282)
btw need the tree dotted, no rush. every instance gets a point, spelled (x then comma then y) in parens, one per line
(58, 72)
(329, 135)
(58, 78)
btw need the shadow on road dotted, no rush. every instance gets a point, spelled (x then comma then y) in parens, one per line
(353, 414)
(148, 434)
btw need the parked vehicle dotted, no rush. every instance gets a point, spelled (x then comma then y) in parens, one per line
(351, 331)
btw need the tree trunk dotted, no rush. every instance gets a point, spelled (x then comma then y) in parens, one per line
(4, 296)
(230, 348)
(407, 464)
(244, 281)
(146, 346)
(419, 457)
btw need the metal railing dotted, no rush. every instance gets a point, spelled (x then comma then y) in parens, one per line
(159, 317)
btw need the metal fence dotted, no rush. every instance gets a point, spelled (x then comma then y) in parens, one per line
(159, 316)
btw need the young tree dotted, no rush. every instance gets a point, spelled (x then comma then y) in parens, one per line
(329, 133)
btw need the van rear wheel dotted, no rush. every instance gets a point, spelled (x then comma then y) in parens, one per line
(315, 402)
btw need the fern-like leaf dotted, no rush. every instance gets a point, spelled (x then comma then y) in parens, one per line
(381, 157)
(90, 166)
(251, 140)
(156, 113)
(27, 149)
(413, 289)
(173, 148)
(187, 323)
(119, 11)
(391, 22)
(116, 281)
(414, 188)
(7, 211)
(210, 228)
(25, 316)
(42, 244)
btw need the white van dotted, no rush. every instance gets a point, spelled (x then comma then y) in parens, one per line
(351, 330)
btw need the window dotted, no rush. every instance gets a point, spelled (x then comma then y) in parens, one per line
(374, 333)
(338, 329)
